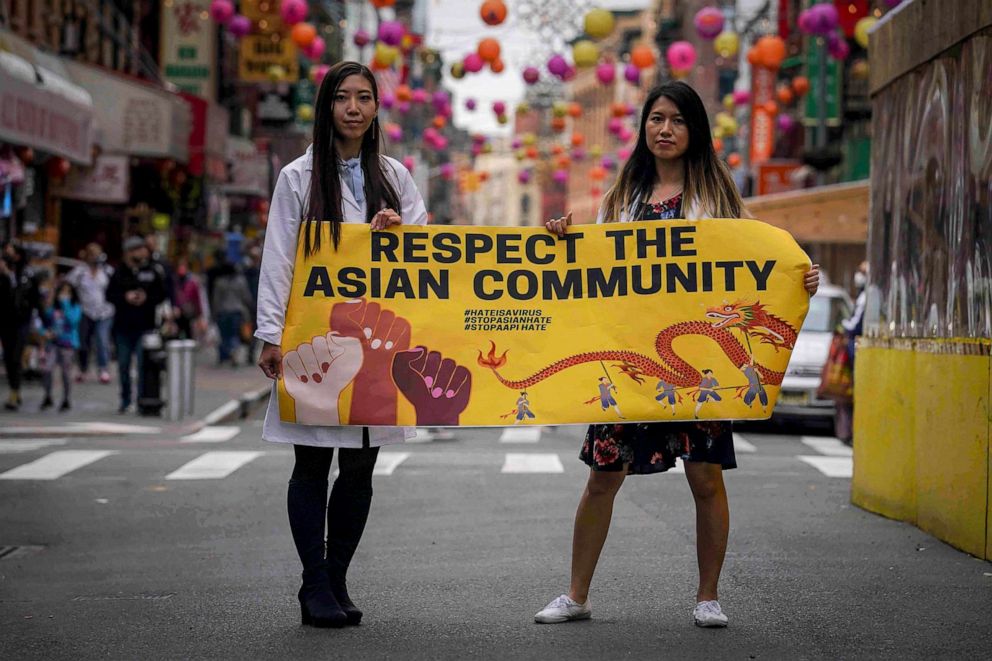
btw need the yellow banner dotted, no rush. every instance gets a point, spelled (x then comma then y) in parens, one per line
(480, 326)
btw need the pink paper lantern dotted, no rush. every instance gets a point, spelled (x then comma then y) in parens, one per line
(499, 108)
(470, 104)
(608, 163)
(408, 163)
(293, 11)
(579, 154)
(438, 99)
(531, 75)
(557, 66)
(391, 33)
(820, 19)
(625, 134)
(447, 171)
(615, 125)
(478, 139)
(476, 149)
(387, 100)
(681, 55)
(606, 72)
(316, 48)
(239, 26)
(221, 10)
(319, 72)
(838, 48)
(394, 132)
(473, 63)
(403, 107)
(419, 96)
(632, 74)
(524, 177)
(517, 143)
(560, 176)
(623, 153)
(570, 72)
(445, 111)
(708, 22)
(784, 122)
(361, 38)
(741, 97)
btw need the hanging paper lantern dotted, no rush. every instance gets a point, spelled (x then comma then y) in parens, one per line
(728, 102)
(770, 107)
(403, 107)
(502, 119)
(608, 163)
(316, 48)
(470, 104)
(785, 123)
(597, 173)
(557, 65)
(557, 150)
(560, 176)
(559, 109)
(607, 72)
(717, 144)
(361, 38)
(532, 153)
(800, 85)
(784, 95)
(457, 70)
(447, 171)
(304, 112)
(524, 177)
(439, 99)
(391, 33)
(58, 167)
(585, 53)
(819, 19)
(387, 100)
(221, 10)
(239, 26)
(578, 139)
(516, 143)
(404, 93)
(380, 4)
(632, 74)
(531, 75)
(408, 163)
(488, 49)
(275, 73)
(837, 46)
(726, 44)
(303, 34)
(642, 56)
(558, 124)
(681, 55)
(574, 110)
(523, 107)
(493, 12)
(625, 134)
(708, 22)
(418, 95)
(860, 69)
(578, 154)
(293, 11)
(733, 159)
(862, 28)
(598, 23)
(497, 66)
(473, 63)
(615, 125)
(499, 108)
(318, 72)
(529, 139)
(623, 153)
(741, 97)
(771, 52)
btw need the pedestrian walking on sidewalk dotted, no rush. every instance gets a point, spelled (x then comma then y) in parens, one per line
(135, 290)
(59, 319)
(20, 297)
(342, 178)
(188, 311)
(91, 280)
(672, 173)
(231, 306)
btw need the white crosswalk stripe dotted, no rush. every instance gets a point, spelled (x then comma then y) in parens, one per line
(743, 445)
(213, 465)
(831, 447)
(212, 434)
(15, 446)
(831, 466)
(56, 464)
(520, 435)
(517, 462)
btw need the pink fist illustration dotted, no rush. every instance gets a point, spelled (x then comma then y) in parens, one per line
(381, 334)
(437, 387)
(316, 373)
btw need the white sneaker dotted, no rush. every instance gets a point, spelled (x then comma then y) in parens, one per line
(563, 609)
(709, 614)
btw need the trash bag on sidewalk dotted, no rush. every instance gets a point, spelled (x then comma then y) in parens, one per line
(837, 377)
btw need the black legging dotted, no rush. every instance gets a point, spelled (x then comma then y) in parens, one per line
(347, 509)
(13, 338)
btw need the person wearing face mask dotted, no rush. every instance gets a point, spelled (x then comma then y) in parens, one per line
(135, 290)
(91, 280)
(20, 296)
(853, 326)
(59, 320)
(188, 308)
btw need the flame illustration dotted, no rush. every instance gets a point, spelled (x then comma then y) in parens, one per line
(491, 361)
(631, 370)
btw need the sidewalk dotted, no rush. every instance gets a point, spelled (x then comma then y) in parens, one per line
(221, 394)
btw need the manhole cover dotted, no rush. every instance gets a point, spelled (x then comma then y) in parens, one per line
(8, 552)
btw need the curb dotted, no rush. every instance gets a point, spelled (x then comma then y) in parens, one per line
(238, 409)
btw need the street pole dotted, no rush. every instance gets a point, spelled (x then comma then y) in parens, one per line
(821, 109)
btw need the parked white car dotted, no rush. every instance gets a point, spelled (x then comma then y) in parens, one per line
(797, 398)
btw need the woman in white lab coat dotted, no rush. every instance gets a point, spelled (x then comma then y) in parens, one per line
(342, 177)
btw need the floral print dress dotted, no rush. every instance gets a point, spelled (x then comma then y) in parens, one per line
(653, 447)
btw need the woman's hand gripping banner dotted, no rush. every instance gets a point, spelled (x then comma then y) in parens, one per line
(492, 326)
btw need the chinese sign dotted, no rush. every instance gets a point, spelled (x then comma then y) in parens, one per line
(189, 47)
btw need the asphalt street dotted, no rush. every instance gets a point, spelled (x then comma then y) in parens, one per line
(151, 547)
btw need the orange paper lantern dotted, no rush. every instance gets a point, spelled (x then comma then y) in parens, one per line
(784, 95)
(563, 162)
(770, 107)
(558, 124)
(532, 153)
(733, 159)
(642, 56)
(439, 121)
(771, 51)
(717, 144)
(488, 49)
(800, 85)
(557, 150)
(574, 110)
(578, 139)
(493, 12)
(497, 66)
(403, 93)
(597, 173)
(303, 34)
(618, 109)
(379, 4)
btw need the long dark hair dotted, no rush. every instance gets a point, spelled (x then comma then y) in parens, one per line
(324, 201)
(708, 183)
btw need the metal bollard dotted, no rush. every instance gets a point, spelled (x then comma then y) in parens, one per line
(189, 374)
(174, 367)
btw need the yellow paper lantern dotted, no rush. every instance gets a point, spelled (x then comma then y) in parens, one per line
(276, 73)
(598, 23)
(559, 109)
(728, 101)
(304, 112)
(596, 151)
(585, 53)
(523, 108)
(385, 55)
(726, 44)
(530, 139)
(861, 29)
(727, 123)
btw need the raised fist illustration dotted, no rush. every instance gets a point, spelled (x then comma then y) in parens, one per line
(316, 372)
(437, 387)
(381, 334)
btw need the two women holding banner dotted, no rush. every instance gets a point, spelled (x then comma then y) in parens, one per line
(673, 173)
(342, 178)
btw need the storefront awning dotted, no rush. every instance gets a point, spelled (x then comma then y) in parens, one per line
(135, 118)
(42, 110)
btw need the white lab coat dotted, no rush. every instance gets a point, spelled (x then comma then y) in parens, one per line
(276, 278)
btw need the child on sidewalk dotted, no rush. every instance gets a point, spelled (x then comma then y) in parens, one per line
(60, 318)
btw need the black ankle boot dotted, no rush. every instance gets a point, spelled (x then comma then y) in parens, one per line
(318, 607)
(340, 590)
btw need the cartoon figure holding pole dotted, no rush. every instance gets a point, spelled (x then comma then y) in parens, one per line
(523, 408)
(754, 385)
(707, 390)
(606, 398)
(667, 392)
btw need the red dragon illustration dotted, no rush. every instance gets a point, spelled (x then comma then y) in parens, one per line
(752, 319)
